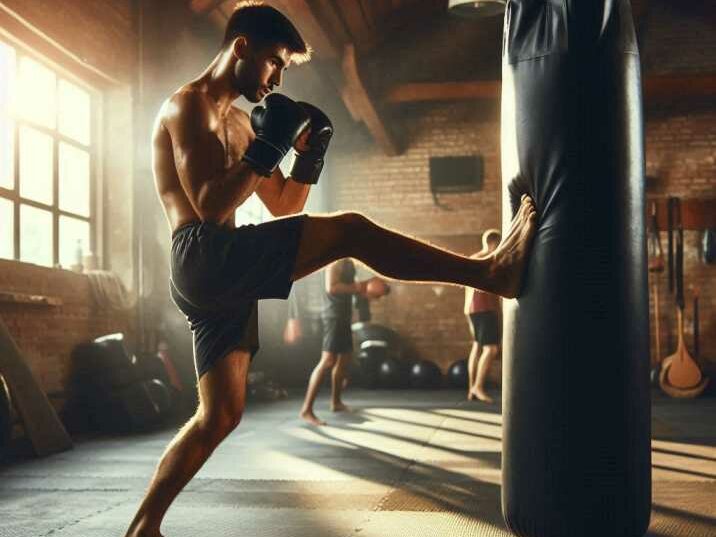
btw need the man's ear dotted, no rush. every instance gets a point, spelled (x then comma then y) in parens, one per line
(240, 46)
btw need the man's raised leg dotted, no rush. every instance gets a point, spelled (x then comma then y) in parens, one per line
(398, 256)
(222, 397)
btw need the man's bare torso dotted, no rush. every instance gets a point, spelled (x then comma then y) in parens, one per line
(229, 136)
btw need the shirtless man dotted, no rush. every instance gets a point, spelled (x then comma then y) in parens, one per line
(208, 158)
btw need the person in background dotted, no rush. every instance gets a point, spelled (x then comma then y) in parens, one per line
(340, 290)
(482, 311)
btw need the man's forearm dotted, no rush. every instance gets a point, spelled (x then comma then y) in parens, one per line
(345, 288)
(293, 196)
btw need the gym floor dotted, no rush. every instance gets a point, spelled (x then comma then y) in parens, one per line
(400, 464)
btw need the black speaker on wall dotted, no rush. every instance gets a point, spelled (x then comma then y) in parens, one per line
(456, 174)
(449, 175)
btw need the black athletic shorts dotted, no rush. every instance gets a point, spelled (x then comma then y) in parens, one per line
(337, 335)
(218, 274)
(485, 327)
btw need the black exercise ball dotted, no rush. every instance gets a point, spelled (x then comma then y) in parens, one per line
(389, 373)
(425, 375)
(457, 374)
(369, 361)
(160, 397)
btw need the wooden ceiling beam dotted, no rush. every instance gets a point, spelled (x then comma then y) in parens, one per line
(362, 107)
(204, 6)
(443, 91)
(665, 87)
(656, 88)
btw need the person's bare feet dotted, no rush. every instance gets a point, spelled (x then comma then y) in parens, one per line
(309, 417)
(482, 396)
(510, 258)
(338, 407)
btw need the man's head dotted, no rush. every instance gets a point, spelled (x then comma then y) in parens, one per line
(491, 239)
(264, 43)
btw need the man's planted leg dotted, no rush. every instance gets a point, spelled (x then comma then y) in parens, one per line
(222, 396)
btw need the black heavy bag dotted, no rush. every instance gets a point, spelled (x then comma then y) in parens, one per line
(576, 455)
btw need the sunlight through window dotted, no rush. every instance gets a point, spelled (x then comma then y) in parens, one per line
(36, 155)
(74, 112)
(35, 93)
(74, 179)
(35, 235)
(7, 229)
(46, 161)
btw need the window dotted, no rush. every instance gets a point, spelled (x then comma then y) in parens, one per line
(47, 212)
(252, 211)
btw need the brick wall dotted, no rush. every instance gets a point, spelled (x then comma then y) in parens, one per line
(46, 335)
(395, 192)
(681, 161)
(680, 153)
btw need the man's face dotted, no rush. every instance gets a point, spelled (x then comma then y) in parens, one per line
(259, 70)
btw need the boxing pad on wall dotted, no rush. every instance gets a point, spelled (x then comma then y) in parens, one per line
(576, 414)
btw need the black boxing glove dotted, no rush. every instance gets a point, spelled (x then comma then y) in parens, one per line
(308, 164)
(277, 125)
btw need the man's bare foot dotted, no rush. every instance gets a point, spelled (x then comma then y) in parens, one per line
(135, 532)
(310, 417)
(510, 258)
(471, 396)
(338, 407)
(482, 396)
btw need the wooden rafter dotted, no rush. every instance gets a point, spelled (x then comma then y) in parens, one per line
(361, 106)
(656, 88)
(204, 6)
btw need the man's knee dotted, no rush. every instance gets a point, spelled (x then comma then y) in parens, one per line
(350, 224)
(219, 423)
(328, 361)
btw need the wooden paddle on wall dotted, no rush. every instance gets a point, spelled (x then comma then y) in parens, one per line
(680, 371)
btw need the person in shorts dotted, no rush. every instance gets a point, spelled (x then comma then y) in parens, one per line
(482, 311)
(208, 158)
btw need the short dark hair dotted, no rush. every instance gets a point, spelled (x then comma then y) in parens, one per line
(264, 25)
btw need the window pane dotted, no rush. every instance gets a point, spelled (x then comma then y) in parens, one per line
(35, 235)
(7, 152)
(73, 110)
(74, 179)
(36, 92)
(7, 77)
(7, 230)
(250, 212)
(74, 240)
(35, 165)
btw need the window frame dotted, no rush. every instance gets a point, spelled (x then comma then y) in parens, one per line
(93, 149)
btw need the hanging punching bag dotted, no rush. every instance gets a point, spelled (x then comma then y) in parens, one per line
(576, 414)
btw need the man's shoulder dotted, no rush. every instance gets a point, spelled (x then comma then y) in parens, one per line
(186, 104)
(187, 97)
